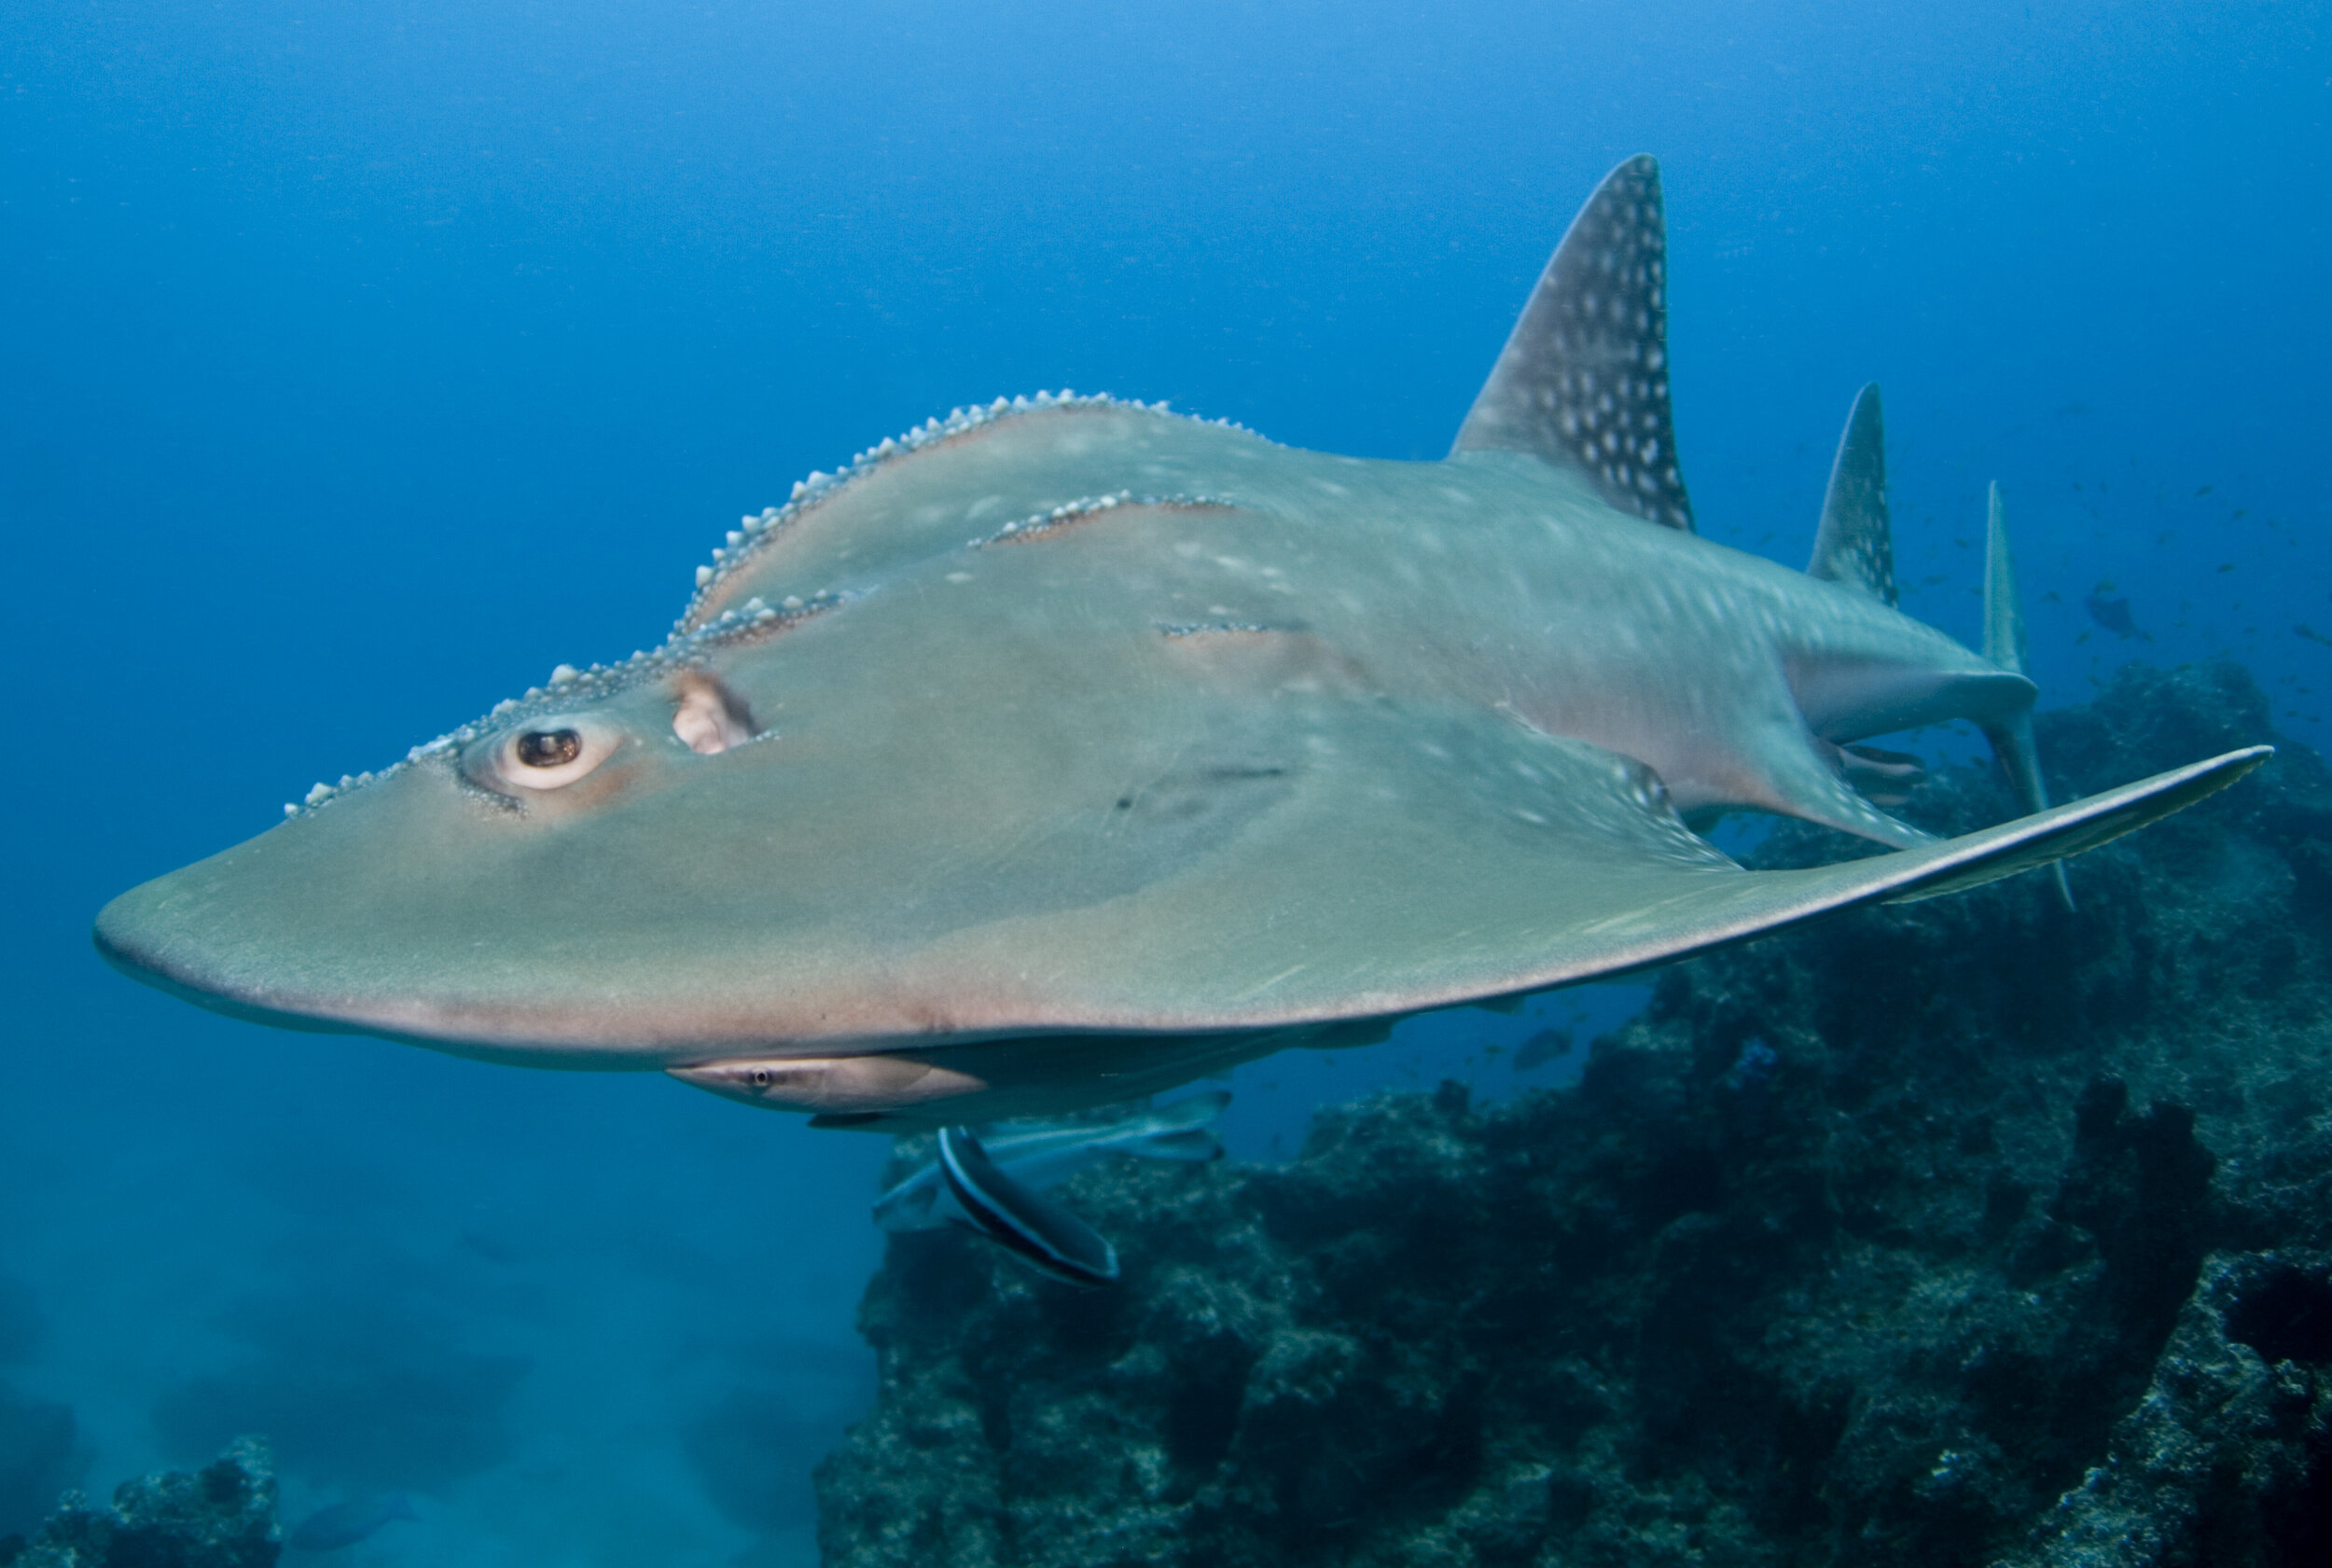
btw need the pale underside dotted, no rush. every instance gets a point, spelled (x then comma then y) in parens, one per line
(1278, 745)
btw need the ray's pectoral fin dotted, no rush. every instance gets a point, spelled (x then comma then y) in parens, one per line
(2053, 836)
(1583, 380)
(1028, 1224)
(2011, 734)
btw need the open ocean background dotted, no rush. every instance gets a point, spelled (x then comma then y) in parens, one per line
(360, 362)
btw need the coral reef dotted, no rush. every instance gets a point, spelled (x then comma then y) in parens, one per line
(222, 1515)
(1961, 1231)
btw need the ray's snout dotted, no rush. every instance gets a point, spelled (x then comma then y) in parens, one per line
(150, 934)
(417, 908)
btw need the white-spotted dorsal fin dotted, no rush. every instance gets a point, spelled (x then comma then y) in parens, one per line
(1583, 380)
(1854, 546)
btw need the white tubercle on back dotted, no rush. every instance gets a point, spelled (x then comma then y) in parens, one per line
(570, 684)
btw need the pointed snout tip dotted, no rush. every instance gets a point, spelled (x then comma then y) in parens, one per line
(125, 940)
(138, 936)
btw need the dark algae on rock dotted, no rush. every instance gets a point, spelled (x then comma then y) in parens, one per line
(1966, 1231)
(222, 1515)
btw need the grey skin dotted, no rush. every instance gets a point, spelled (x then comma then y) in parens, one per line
(1068, 749)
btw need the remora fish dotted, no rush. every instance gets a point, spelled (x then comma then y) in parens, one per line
(1043, 1157)
(1024, 1222)
(1065, 750)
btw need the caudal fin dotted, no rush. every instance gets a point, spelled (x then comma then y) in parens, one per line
(2003, 613)
(2011, 738)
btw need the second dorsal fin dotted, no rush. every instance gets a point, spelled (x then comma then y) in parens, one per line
(1583, 380)
(1854, 546)
(2004, 611)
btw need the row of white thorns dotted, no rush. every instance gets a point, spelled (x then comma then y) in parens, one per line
(754, 613)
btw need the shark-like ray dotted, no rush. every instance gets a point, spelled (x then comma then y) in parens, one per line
(1066, 749)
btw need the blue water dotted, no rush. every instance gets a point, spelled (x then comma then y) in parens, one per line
(361, 362)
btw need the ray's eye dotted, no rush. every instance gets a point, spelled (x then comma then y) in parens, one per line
(551, 754)
(548, 748)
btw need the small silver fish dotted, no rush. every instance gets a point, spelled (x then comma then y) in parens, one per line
(344, 1524)
(1038, 1156)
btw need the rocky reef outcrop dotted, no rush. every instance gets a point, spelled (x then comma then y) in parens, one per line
(1965, 1231)
(222, 1515)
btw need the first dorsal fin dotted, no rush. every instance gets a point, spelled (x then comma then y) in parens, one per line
(1854, 546)
(1583, 380)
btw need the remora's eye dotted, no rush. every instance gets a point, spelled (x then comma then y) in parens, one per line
(550, 753)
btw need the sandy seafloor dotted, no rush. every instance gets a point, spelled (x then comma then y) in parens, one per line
(360, 363)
